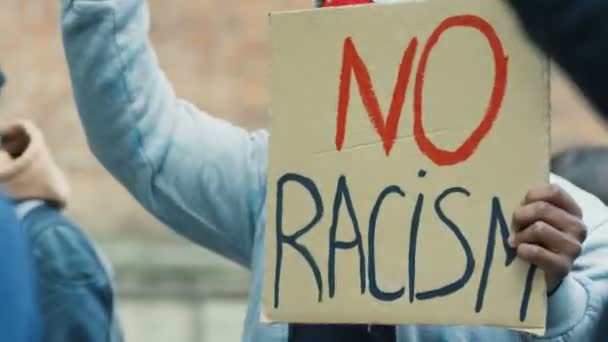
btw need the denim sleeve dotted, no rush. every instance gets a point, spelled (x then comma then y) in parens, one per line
(575, 34)
(77, 313)
(76, 293)
(200, 175)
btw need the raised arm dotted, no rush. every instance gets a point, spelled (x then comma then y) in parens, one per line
(200, 175)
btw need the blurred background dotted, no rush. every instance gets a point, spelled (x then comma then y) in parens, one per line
(216, 54)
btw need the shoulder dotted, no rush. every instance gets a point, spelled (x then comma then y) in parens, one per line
(63, 254)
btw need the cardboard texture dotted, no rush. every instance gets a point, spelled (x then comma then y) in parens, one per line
(403, 136)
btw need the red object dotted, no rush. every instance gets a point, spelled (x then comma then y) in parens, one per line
(353, 64)
(336, 3)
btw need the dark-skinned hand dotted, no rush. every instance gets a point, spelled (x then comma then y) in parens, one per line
(548, 231)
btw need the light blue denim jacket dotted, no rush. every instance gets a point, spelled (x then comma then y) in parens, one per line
(206, 178)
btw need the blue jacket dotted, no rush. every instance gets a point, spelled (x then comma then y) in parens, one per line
(20, 319)
(206, 178)
(76, 294)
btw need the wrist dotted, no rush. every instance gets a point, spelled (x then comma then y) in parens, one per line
(551, 292)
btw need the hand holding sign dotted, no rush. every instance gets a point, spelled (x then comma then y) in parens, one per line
(549, 232)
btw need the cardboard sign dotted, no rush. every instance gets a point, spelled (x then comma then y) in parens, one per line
(403, 137)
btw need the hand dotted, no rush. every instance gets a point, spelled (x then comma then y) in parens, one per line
(548, 231)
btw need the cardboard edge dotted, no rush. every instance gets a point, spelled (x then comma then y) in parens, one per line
(537, 331)
(549, 143)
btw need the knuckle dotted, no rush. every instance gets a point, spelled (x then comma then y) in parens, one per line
(530, 195)
(539, 229)
(541, 208)
(517, 216)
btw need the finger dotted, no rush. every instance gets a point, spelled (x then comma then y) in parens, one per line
(555, 195)
(555, 265)
(547, 236)
(529, 214)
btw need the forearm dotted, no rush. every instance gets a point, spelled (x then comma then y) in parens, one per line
(120, 92)
(200, 175)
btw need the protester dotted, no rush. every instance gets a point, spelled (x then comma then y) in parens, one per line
(206, 179)
(74, 283)
(20, 319)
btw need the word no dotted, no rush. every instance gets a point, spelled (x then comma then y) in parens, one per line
(387, 129)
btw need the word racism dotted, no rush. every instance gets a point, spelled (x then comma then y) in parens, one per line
(387, 131)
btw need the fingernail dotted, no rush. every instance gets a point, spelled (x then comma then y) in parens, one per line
(511, 241)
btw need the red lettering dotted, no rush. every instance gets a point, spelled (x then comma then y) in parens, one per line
(387, 129)
(462, 153)
(352, 63)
